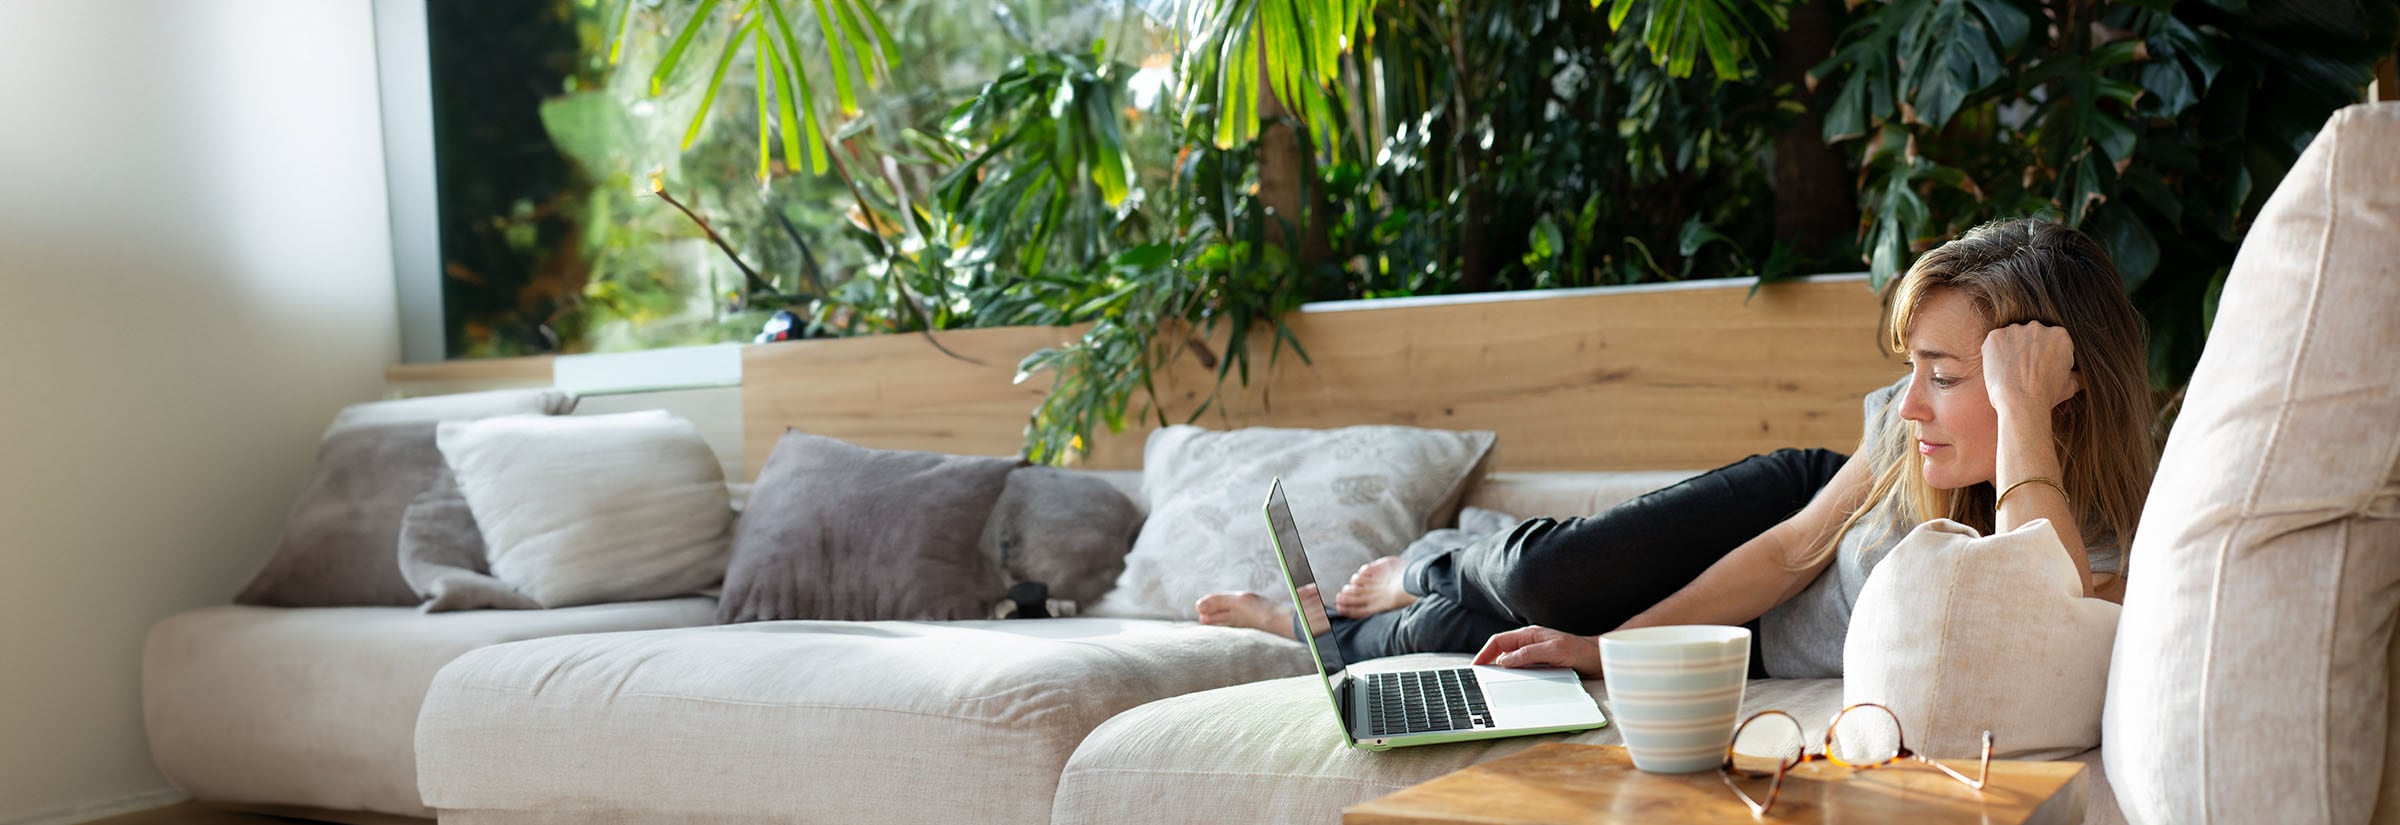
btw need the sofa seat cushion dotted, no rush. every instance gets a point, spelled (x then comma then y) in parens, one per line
(317, 707)
(805, 721)
(1567, 494)
(1268, 752)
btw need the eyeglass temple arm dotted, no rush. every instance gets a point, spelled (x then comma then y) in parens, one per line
(1981, 776)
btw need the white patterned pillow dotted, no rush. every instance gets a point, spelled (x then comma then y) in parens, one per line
(1357, 493)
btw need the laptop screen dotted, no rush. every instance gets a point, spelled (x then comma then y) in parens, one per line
(1297, 573)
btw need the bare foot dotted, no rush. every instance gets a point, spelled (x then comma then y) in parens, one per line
(1313, 606)
(1374, 589)
(1244, 609)
(1241, 608)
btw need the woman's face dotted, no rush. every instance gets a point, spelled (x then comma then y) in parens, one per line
(1957, 433)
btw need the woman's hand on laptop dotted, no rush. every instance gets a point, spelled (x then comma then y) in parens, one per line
(1543, 647)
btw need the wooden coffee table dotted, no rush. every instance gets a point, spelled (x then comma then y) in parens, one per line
(1591, 784)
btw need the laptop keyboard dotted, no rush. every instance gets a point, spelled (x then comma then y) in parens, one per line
(1424, 701)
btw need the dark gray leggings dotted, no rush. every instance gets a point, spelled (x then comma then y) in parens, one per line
(1588, 575)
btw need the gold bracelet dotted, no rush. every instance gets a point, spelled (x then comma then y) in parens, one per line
(2003, 497)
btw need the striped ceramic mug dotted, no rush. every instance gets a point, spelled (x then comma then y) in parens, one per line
(1675, 692)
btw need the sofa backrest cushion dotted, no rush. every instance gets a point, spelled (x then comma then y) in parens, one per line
(838, 531)
(609, 508)
(1068, 531)
(2252, 661)
(337, 548)
(463, 406)
(1356, 492)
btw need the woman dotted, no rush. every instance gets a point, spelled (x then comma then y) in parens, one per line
(2028, 397)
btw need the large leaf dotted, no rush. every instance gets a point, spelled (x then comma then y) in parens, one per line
(1954, 49)
(683, 39)
(855, 41)
(1679, 32)
(1869, 86)
(2129, 244)
(1298, 43)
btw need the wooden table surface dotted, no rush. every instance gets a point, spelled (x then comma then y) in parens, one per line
(1592, 784)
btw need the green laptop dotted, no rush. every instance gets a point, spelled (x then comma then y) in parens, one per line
(1384, 709)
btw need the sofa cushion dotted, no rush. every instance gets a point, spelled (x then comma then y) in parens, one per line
(1567, 495)
(885, 722)
(581, 510)
(834, 530)
(339, 543)
(318, 707)
(442, 556)
(463, 406)
(376, 457)
(2252, 660)
(1067, 530)
(1960, 633)
(1356, 492)
(1270, 752)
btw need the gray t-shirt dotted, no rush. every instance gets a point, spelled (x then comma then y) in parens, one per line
(1802, 638)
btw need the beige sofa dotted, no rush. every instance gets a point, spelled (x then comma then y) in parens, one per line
(649, 712)
(2251, 680)
(2252, 677)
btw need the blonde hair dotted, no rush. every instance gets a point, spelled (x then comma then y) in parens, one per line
(2032, 270)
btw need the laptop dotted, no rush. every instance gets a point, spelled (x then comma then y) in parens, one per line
(1384, 710)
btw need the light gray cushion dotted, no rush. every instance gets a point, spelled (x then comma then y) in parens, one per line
(838, 531)
(441, 555)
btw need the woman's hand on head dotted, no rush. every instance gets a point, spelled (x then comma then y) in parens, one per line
(1543, 647)
(2029, 367)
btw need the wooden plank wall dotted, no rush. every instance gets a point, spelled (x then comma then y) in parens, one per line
(1673, 378)
(896, 391)
(1678, 377)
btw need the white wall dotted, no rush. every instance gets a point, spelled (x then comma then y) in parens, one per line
(195, 272)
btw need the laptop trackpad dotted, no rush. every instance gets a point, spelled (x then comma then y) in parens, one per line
(1521, 692)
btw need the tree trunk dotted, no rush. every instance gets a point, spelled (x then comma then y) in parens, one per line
(1476, 265)
(1283, 173)
(1815, 200)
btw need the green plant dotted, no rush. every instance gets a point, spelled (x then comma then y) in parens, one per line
(2135, 120)
(857, 49)
(1460, 147)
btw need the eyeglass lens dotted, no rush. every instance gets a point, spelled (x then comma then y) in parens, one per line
(1768, 740)
(1864, 735)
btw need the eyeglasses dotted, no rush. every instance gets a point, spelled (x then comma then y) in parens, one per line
(1874, 741)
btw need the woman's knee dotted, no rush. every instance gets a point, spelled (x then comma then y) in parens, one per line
(1544, 582)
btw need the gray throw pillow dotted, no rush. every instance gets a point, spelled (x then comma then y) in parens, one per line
(442, 555)
(838, 531)
(338, 541)
(1068, 531)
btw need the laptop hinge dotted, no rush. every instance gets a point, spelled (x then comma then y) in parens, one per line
(1342, 691)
